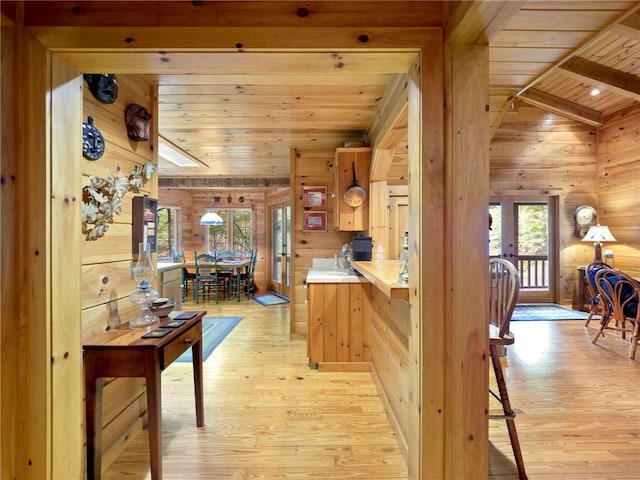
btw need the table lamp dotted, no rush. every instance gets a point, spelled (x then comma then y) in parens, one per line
(598, 234)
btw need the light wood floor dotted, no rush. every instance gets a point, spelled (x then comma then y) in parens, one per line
(268, 416)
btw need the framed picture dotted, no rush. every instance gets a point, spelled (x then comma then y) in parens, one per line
(314, 222)
(314, 196)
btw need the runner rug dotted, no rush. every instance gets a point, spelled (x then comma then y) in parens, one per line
(214, 331)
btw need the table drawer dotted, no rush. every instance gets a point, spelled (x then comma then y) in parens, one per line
(178, 346)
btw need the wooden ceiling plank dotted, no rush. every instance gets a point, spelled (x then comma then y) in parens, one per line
(231, 39)
(174, 83)
(562, 107)
(238, 63)
(479, 22)
(619, 82)
(246, 14)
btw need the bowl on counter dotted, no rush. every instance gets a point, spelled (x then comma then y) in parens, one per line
(162, 307)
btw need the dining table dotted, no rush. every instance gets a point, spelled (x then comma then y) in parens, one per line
(236, 265)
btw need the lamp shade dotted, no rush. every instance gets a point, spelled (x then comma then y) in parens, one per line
(211, 218)
(599, 233)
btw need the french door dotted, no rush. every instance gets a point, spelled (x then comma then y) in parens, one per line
(523, 231)
(281, 248)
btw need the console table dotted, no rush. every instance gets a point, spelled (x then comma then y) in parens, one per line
(121, 352)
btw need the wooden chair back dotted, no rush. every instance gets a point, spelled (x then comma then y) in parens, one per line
(206, 266)
(620, 294)
(504, 284)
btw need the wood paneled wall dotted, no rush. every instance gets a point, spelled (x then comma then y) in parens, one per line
(540, 153)
(618, 185)
(106, 262)
(312, 168)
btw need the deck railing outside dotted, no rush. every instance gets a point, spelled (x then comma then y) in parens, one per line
(534, 271)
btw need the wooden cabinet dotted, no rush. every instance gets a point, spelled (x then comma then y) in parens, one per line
(339, 316)
(583, 291)
(170, 284)
(346, 161)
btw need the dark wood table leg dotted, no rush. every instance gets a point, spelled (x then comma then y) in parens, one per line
(93, 410)
(196, 355)
(154, 409)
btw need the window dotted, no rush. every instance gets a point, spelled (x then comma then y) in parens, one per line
(166, 231)
(236, 233)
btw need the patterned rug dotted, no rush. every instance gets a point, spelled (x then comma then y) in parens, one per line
(214, 331)
(270, 299)
(545, 311)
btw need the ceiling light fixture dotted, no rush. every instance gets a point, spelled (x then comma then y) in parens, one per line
(171, 153)
(595, 92)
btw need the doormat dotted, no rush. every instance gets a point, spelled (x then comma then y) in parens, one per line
(271, 299)
(214, 331)
(545, 311)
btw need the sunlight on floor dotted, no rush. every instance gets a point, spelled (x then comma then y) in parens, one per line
(532, 340)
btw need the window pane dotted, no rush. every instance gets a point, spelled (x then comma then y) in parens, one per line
(242, 231)
(495, 234)
(165, 232)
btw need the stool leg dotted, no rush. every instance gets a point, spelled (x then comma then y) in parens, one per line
(509, 414)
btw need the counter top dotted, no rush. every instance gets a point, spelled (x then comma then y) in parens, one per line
(333, 276)
(164, 266)
(384, 275)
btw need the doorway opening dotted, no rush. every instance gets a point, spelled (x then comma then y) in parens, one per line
(524, 232)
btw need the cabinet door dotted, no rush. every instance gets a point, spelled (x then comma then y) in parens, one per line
(346, 161)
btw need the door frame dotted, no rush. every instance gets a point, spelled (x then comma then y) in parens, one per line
(536, 296)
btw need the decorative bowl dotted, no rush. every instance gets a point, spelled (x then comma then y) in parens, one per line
(163, 309)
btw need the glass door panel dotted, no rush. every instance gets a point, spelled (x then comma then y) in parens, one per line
(281, 249)
(521, 232)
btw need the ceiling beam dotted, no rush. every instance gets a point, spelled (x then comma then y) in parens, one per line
(619, 82)
(222, 182)
(629, 28)
(477, 23)
(506, 106)
(562, 107)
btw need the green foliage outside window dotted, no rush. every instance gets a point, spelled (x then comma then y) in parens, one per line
(236, 233)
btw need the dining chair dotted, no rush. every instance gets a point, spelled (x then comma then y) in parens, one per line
(226, 274)
(188, 278)
(504, 285)
(207, 280)
(620, 296)
(595, 305)
(247, 278)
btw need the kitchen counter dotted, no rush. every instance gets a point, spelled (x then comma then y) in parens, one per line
(333, 276)
(383, 274)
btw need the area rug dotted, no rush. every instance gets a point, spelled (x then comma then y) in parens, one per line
(545, 311)
(214, 331)
(271, 299)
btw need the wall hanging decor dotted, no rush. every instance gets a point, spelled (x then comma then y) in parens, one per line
(314, 196)
(103, 86)
(137, 118)
(102, 198)
(314, 221)
(92, 141)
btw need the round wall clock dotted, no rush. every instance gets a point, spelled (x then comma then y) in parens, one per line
(585, 217)
(92, 141)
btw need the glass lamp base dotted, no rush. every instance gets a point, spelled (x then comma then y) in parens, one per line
(144, 319)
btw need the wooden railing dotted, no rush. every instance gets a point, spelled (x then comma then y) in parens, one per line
(534, 271)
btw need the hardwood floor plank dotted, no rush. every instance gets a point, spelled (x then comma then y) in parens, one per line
(269, 416)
